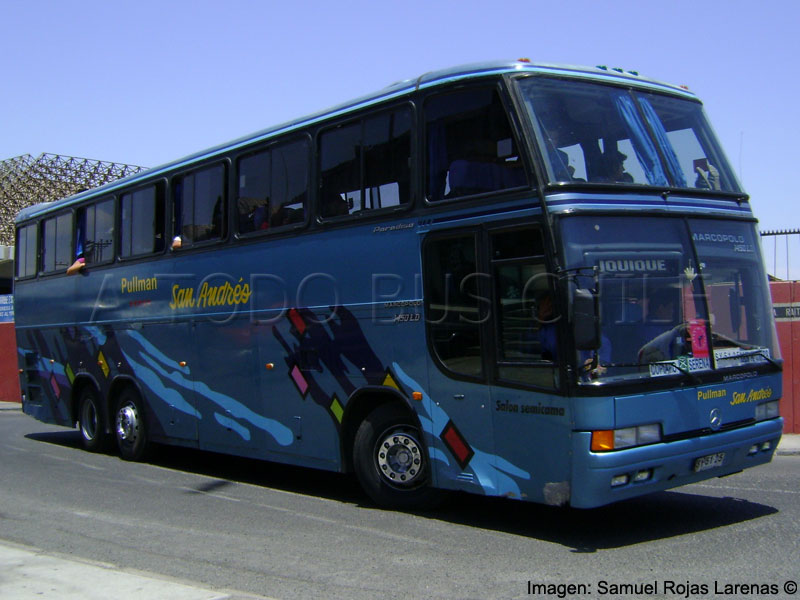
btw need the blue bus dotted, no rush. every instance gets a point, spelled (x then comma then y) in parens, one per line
(532, 281)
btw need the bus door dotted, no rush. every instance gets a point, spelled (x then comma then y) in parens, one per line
(460, 423)
(531, 422)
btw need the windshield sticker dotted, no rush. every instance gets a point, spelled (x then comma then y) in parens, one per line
(725, 358)
(734, 357)
(697, 331)
(682, 364)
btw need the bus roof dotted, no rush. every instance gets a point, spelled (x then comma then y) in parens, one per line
(398, 89)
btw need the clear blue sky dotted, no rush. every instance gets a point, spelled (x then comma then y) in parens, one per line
(147, 81)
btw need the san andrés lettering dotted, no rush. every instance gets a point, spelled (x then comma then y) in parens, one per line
(208, 295)
(138, 284)
(751, 396)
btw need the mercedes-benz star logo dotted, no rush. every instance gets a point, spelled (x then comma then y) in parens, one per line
(715, 416)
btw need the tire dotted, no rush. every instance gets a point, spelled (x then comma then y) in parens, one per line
(391, 461)
(130, 426)
(91, 420)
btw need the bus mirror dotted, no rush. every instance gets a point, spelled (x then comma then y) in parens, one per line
(585, 321)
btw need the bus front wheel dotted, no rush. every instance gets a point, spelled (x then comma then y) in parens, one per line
(390, 460)
(130, 426)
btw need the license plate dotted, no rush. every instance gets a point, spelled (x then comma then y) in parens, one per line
(709, 462)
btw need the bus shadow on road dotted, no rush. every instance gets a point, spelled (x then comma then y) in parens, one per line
(661, 515)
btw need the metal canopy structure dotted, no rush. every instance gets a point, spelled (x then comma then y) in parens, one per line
(25, 180)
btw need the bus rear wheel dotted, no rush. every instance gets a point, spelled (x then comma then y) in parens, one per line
(130, 426)
(391, 462)
(91, 420)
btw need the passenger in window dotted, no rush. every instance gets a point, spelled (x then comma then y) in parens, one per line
(663, 339)
(77, 266)
(333, 205)
(80, 259)
(615, 161)
(253, 214)
(215, 230)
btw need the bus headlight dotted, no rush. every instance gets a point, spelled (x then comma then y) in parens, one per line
(615, 439)
(768, 410)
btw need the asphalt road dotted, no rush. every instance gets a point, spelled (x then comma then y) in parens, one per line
(268, 530)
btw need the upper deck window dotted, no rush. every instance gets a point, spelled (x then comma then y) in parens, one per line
(27, 250)
(95, 232)
(273, 188)
(199, 206)
(470, 146)
(594, 133)
(57, 243)
(142, 222)
(365, 165)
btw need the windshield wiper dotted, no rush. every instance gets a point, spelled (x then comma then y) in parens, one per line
(682, 370)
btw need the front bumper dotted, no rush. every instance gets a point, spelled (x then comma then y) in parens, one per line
(669, 464)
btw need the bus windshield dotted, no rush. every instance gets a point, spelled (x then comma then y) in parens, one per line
(602, 134)
(675, 296)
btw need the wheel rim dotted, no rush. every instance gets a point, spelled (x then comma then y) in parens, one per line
(400, 459)
(128, 424)
(89, 419)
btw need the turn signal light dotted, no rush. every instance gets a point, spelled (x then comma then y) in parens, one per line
(615, 439)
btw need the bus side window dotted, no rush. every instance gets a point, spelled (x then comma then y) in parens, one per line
(527, 344)
(142, 222)
(454, 319)
(95, 232)
(27, 250)
(273, 188)
(199, 206)
(57, 243)
(470, 145)
(365, 165)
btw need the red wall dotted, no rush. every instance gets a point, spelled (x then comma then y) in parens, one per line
(786, 300)
(9, 371)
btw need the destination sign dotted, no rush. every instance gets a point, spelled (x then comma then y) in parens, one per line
(638, 266)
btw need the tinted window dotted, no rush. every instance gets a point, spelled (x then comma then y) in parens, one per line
(597, 133)
(365, 165)
(27, 248)
(273, 188)
(200, 205)
(142, 222)
(57, 247)
(527, 322)
(470, 148)
(95, 233)
(453, 308)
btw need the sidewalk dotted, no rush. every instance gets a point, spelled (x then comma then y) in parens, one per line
(32, 575)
